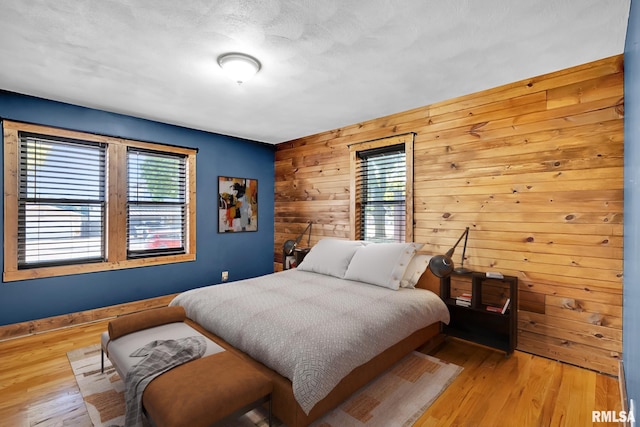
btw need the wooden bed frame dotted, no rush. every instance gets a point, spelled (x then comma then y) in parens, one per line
(287, 409)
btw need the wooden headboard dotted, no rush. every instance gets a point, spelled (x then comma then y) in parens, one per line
(429, 281)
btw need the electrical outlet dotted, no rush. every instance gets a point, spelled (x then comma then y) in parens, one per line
(225, 276)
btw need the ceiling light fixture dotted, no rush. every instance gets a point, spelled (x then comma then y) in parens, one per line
(239, 66)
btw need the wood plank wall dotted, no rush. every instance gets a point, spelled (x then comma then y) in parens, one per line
(534, 168)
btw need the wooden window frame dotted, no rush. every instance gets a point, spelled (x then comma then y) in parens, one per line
(116, 204)
(354, 198)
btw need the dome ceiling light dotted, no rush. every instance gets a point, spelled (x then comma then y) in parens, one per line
(239, 66)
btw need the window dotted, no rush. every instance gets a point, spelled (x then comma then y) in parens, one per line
(382, 194)
(381, 189)
(77, 202)
(156, 203)
(61, 201)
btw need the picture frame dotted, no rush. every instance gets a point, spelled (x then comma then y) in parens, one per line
(237, 204)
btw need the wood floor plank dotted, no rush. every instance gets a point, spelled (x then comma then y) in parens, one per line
(37, 386)
(523, 390)
(501, 396)
(36, 382)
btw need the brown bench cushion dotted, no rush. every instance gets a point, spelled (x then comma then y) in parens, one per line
(204, 391)
(144, 320)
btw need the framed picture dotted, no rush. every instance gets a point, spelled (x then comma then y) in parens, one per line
(237, 204)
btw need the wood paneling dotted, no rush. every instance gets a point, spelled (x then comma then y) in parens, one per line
(534, 168)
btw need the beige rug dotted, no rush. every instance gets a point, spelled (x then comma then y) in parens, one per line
(396, 398)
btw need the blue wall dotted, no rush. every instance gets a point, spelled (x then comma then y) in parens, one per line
(242, 254)
(631, 314)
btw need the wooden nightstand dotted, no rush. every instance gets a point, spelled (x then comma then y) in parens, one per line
(299, 254)
(294, 260)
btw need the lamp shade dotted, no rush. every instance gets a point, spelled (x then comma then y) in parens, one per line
(441, 265)
(288, 247)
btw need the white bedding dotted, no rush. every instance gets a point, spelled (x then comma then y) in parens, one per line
(311, 328)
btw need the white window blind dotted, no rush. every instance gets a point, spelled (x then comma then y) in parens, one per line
(156, 203)
(382, 187)
(61, 201)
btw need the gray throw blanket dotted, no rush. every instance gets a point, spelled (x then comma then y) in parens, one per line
(159, 357)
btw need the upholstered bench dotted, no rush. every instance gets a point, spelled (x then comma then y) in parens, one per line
(203, 392)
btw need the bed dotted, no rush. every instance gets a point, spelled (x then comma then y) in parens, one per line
(323, 330)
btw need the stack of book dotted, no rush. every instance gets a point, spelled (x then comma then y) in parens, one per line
(464, 300)
(501, 310)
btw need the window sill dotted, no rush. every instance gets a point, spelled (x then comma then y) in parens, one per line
(65, 270)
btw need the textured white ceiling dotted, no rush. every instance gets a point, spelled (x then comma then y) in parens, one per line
(325, 63)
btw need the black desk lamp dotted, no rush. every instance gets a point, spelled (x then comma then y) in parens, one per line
(290, 245)
(442, 265)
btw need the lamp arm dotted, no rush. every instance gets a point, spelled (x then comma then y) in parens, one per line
(302, 234)
(464, 248)
(465, 234)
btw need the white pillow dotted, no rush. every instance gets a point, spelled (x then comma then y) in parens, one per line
(417, 266)
(381, 264)
(330, 257)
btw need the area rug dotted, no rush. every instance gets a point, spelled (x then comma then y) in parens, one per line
(398, 397)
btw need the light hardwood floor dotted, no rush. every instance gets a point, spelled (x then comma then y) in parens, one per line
(37, 387)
